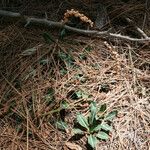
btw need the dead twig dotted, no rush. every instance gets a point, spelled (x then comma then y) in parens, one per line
(94, 33)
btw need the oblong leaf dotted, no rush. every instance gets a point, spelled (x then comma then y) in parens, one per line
(92, 141)
(77, 131)
(83, 121)
(103, 108)
(85, 96)
(79, 94)
(93, 111)
(29, 52)
(48, 38)
(61, 125)
(44, 62)
(106, 127)
(62, 33)
(64, 104)
(102, 135)
(97, 128)
(111, 115)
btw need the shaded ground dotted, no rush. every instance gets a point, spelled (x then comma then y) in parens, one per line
(33, 86)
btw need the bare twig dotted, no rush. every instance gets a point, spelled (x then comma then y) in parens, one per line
(9, 14)
(137, 28)
(95, 33)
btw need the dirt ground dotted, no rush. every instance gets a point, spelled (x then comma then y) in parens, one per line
(39, 70)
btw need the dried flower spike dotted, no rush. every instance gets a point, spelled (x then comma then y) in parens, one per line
(74, 13)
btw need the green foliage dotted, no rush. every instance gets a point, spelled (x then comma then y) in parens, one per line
(75, 95)
(102, 135)
(63, 71)
(103, 108)
(61, 125)
(111, 115)
(49, 97)
(93, 110)
(92, 140)
(82, 56)
(48, 38)
(29, 52)
(67, 58)
(104, 88)
(44, 62)
(106, 127)
(81, 77)
(81, 94)
(30, 74)
(64, 104)
(88, 48)
(63, 34)
(83, 121)
(96, 126)
(77, 131)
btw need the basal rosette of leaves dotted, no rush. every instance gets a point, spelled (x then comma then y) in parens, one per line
(96, 126)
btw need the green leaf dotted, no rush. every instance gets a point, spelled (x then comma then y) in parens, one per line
(32, 72)
(62, 55)
(63, 71)
(97, 128)
(83, 121)
(67, 58)
(49, 97)
(61, 125)
(51, 92)
(85, 96)
(48, 38)
(82, 56)
(79, 94)
(62, 33)
(106, 127)
(82, 79)
(103, 108)
(102, 135)
(64, 104)
(77, 131)
(111, 115)
(88, 48)
(44, 61)
(93, 111)
(29, 52)
(92, 141)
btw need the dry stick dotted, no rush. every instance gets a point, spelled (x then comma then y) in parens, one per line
(95, 33)
(137, 28)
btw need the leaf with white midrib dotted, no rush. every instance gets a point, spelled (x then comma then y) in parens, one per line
(61, 125)
(83, 121)
(102, 108)
(97, 128)
(102, 135)
(92, 141)
(111, 115)
(77, 131)
(106, 127)
(93, 110)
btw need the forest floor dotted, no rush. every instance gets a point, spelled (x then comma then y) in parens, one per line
(45, 81)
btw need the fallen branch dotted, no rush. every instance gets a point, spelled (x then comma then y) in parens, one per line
(95, 33)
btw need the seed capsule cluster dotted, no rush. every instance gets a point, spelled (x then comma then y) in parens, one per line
(73, 13)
